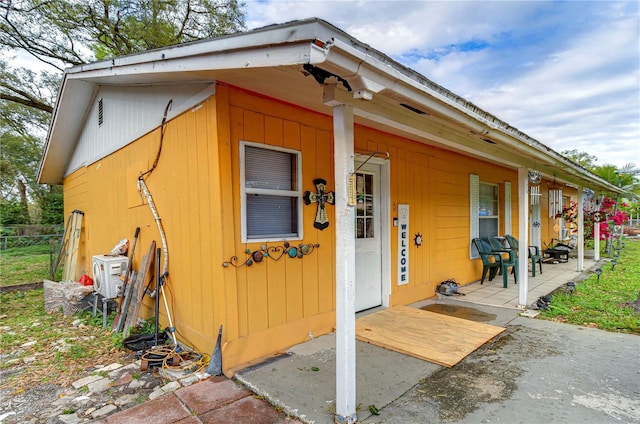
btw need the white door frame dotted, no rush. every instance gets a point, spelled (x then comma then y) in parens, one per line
(385, 222)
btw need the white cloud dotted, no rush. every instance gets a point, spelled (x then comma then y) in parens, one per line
(566, 73)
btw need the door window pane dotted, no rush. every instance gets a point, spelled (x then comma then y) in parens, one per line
(364, 206)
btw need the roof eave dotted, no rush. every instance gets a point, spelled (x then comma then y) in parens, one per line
(375, 72)
(286, 44)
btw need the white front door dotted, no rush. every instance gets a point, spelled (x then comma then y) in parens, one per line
(368, 238)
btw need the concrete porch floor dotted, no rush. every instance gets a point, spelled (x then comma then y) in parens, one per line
(553, 276)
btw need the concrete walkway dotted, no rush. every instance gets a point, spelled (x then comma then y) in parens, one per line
(553, 276)
(539, 371)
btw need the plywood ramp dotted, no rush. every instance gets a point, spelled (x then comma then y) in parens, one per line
(437, 338)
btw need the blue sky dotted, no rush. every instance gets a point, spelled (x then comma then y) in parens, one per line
(566, 73)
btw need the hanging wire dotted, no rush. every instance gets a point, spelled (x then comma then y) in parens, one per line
(177, 359)
(144, 190)
(370, 157)
(163, 126)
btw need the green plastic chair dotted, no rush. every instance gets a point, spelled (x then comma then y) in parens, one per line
(536, 257)
(534, 253)
(491, 262)
(506, 262)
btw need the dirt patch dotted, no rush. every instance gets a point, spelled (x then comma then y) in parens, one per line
(487, 375)
(21, 287)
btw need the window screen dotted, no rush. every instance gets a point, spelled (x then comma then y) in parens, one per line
(271, 195)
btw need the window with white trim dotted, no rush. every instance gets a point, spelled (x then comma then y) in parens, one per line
(270, 181)
(488, 210)
(484, 213)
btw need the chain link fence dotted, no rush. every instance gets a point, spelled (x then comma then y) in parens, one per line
(46, 240)
(17, 236)
(28, 252)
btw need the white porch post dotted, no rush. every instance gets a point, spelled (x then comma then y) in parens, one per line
(596, 241)
(580, 244)
(523, 234)
(345, 266)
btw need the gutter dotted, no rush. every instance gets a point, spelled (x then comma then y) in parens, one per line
(274, 35)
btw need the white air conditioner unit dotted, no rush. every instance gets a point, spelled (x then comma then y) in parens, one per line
(106, 274)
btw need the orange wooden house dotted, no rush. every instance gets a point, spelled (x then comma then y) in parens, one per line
(296, 135)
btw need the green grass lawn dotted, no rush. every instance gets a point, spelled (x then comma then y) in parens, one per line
(22, 265)
(602, 303)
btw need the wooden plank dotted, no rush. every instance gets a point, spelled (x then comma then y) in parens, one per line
(433, 337)
(118, 321)
(310, 265)
(276, 274)
(138, 289)
(71, 265)
(121, 317)
(325, 256)
(293, 277)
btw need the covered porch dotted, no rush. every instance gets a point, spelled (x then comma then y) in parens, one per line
(552, 277)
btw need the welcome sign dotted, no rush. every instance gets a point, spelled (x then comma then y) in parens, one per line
(403, 244)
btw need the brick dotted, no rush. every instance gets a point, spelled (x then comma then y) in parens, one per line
(165, 409)
(210, 394)
(245, 410)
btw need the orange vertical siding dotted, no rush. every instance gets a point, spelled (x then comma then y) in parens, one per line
(196, 187)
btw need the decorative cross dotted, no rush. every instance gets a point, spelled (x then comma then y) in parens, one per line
(322, 197)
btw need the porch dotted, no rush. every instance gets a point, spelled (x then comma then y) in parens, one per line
(553, 275)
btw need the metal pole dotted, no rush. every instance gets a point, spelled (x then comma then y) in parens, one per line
(157, 299)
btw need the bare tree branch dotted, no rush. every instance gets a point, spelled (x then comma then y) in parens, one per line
(27, 102)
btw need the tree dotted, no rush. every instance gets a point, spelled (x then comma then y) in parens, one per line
(60, 33)
(73, 32)
(625, 177)
(581, 158)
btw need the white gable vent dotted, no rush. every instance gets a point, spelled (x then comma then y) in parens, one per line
(100, 112)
